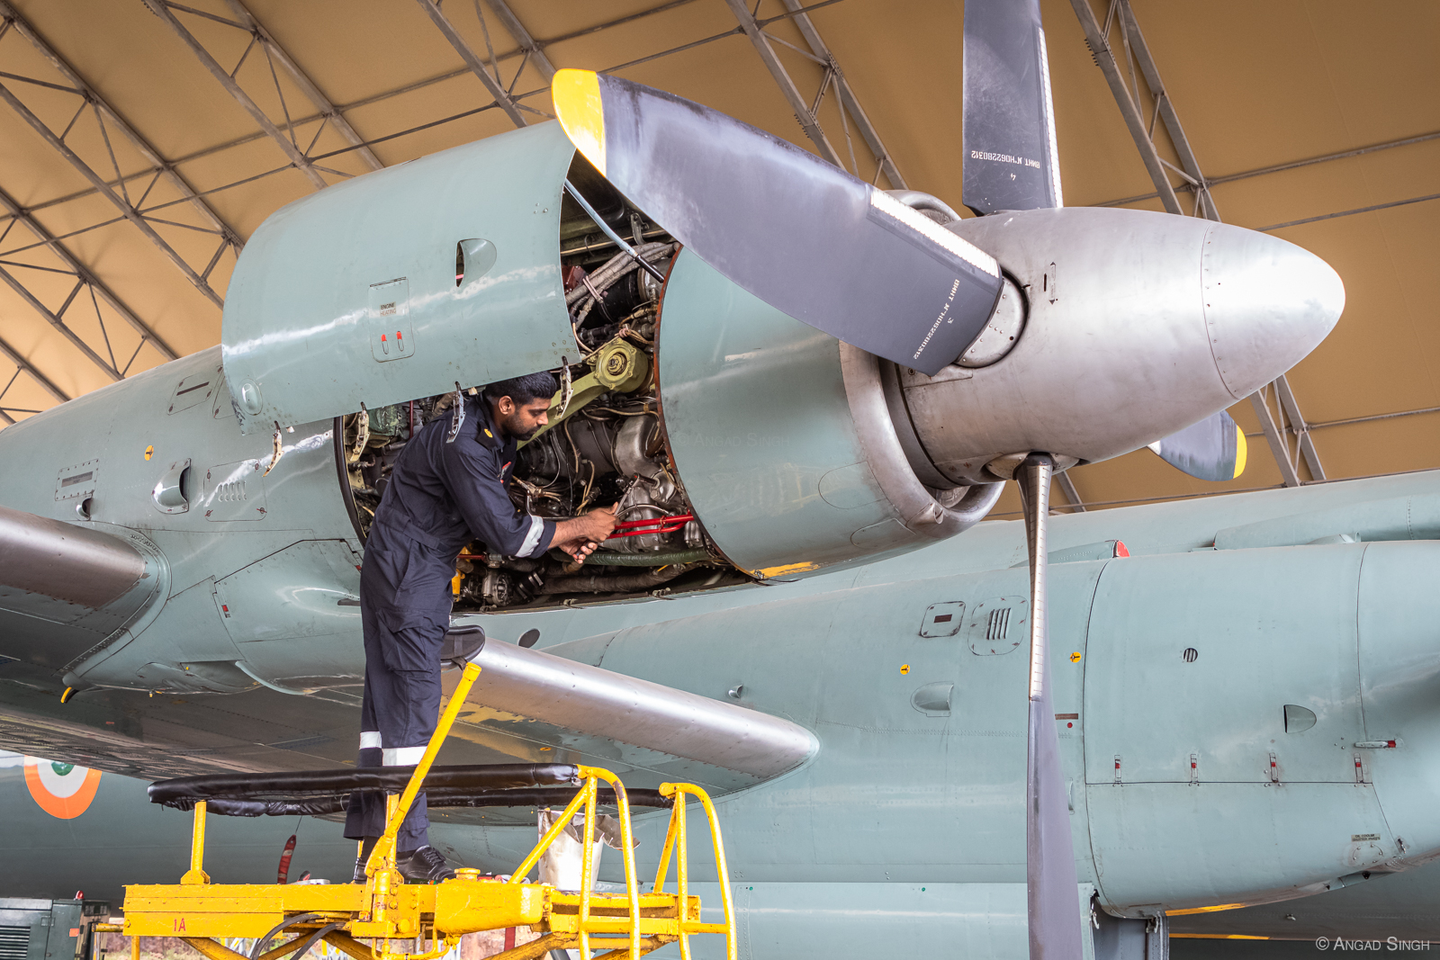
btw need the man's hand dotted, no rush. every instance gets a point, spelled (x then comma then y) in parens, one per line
(579, 537)
(577, 550)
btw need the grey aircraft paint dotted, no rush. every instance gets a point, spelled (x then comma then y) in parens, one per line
(907, 823)
(902, 797)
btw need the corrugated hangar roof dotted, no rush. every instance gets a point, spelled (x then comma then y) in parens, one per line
(142, 142)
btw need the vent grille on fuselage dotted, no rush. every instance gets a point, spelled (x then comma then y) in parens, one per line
(14, 943)
(999, 625)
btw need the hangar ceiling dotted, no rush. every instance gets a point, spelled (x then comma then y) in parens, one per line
(141, 142)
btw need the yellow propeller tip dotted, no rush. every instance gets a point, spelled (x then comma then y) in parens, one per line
(1242, 450)
(576, 94)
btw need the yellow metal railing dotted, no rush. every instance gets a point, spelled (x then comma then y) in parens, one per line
(676, 841)
(385, 910)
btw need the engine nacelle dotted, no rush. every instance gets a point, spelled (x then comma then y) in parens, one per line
(783, 437)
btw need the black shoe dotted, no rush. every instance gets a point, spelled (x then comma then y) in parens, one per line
(425, 865)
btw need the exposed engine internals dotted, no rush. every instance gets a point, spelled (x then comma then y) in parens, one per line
(603, 444)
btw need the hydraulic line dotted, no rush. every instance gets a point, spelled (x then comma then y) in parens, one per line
(600, 583)
(606, 558)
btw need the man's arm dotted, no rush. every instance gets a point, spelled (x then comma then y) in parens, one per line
(472, 474)
(474, 480)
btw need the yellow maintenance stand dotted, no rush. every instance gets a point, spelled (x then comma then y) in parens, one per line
(396, 918)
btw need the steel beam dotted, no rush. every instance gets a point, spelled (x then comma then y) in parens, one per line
(1371, 418)
(1275, 436)
(322, 103)
(803, 116)
(14, 357)
(143, 146)
(848, 101)
(1067, 487)
(109, 369)
(24, 366)
(1181, 143)
(83, 275)
(522, 36)
(1284, 167)
(101, 187)
(1099, 46)
(378, 98)
(472, 60)
(128, 211)
(1164, 111)
(1299, 427)
(301, 162)
(95, 180)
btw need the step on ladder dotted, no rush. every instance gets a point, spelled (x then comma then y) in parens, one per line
(395, 917)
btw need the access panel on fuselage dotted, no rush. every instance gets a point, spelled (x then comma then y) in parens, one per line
(403, 282)
(1197, 792)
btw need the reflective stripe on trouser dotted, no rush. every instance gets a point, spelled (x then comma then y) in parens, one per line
(397, 717)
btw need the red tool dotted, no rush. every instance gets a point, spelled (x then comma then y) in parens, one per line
(638, 528)
(284, 872)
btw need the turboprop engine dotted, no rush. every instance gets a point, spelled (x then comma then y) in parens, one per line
(779, 447)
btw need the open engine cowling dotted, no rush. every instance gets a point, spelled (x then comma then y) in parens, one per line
(372, 302)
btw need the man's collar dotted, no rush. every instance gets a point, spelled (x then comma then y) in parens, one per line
(485, 430)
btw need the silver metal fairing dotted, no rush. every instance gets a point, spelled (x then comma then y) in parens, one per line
(1261, 296)
(66, 588)
(897, 461)
(64, 562)
(536, 688)
(1139, 325)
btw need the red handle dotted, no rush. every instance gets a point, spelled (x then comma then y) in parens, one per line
(639, 528)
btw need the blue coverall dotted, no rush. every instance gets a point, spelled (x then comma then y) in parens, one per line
(440, 497)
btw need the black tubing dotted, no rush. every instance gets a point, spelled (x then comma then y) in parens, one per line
(601, 583)
(258, 949)
(261, 786)
(315, 938)
(450, 798)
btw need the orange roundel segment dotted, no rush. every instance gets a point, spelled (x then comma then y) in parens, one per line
(62, 790)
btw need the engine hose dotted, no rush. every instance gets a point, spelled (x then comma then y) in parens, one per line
(646, 559)
(614, 268)
(600, 583)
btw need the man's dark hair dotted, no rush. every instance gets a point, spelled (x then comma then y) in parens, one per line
(522, 390)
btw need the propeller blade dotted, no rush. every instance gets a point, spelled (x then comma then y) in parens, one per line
(1052, 886)
(799, 233)
(1011, 161)
(1213, 449)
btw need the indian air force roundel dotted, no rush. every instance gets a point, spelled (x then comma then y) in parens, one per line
(62, 789)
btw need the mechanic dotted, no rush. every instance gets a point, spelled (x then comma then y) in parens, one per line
(447, 489)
